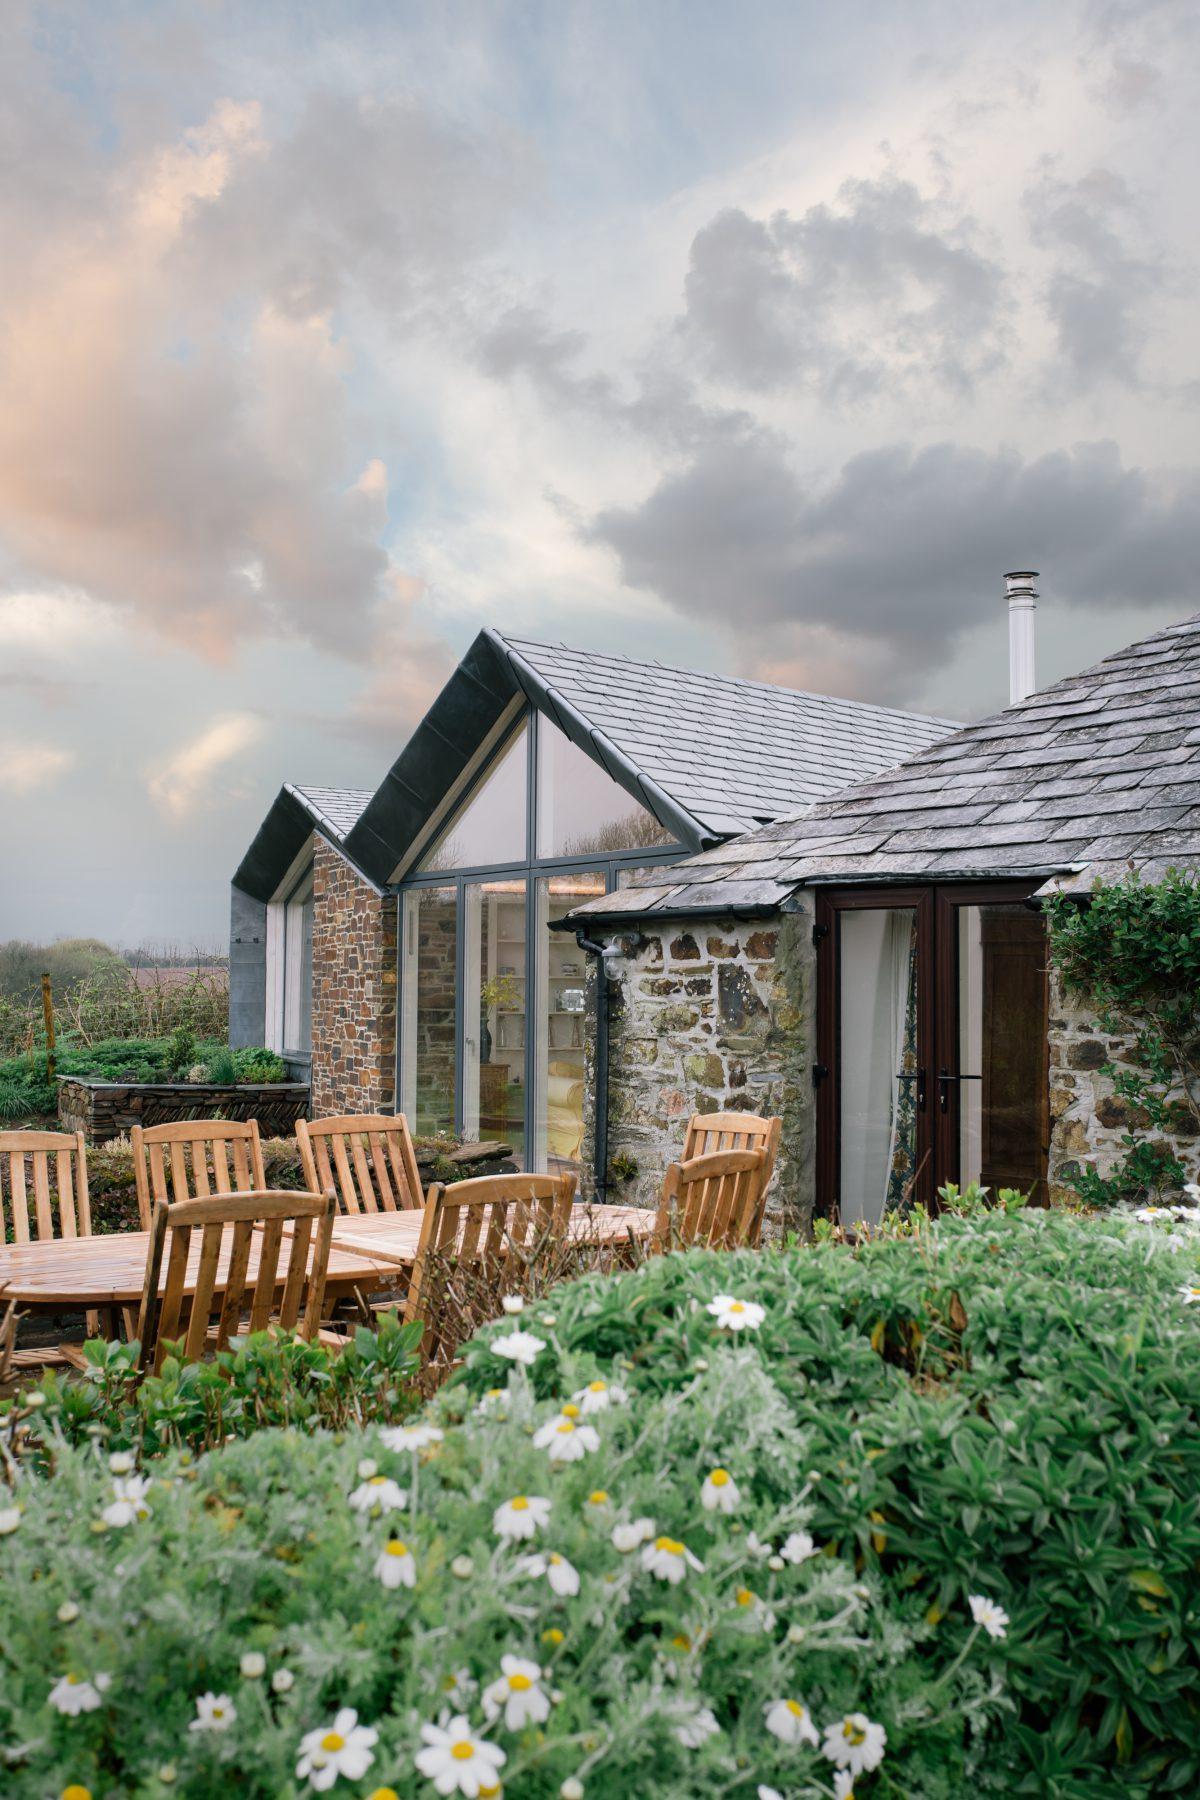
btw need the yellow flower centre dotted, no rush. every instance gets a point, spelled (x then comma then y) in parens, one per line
(384, 1794)
(463, 1751)
(719, 1478)
(73, 1680)
(795, 1708)
(597, 1387)
(333, 1740)
(570, 1411)
(520, 1504)
(376, 1480)
(396, 1548)
(566, 1425)
(519, 1684)
(671, 1545)
(744, 1597)
(853, 1734)
(489, 1793)
(552, 1636)
(218, 1712)
(76, 1792)
(597, 1497)
(681, 1641)
(738, 1307)
(555, 1558)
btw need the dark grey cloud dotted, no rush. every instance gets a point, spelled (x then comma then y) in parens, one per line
(905, 547)
(880, 290)
(1099, 293)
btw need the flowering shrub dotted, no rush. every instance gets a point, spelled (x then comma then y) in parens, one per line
(260, 1381)
(915, 1520)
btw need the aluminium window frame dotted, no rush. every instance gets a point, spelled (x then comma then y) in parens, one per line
(528, 869)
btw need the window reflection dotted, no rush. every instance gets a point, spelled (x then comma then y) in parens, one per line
(581, 810)
(494, 1013)
(430, 927)
(561, 1023)
(491, 826)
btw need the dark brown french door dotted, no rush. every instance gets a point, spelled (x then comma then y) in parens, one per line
(932, 1060)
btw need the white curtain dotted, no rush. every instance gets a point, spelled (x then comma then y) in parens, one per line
(876, 967)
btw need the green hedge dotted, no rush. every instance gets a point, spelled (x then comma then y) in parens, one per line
(999, 1407)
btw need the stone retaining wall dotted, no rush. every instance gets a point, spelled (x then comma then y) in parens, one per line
(709, 1017)
(353, 990)
(104, 1110)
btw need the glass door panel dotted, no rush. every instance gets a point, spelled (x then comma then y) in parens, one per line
(879, 1080)
(427, 1029)
(560, 1024)
(494, 1013)
(995, 1095)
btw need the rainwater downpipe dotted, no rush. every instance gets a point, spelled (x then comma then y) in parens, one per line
(603, 953)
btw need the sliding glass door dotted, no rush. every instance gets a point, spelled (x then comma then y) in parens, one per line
(932, 1045)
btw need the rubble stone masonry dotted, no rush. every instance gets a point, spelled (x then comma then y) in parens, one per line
(711, 1016)
(354, 990)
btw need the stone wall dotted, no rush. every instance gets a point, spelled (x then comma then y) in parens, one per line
(710, 1017)
(354, 990)
(1087, 1119)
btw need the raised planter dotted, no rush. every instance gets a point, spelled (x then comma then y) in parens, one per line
(104, 1110)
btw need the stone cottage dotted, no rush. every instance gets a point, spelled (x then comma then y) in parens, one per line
(404, 949)
(874, 966)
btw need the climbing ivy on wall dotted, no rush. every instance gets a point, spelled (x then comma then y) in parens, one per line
(1132, 952)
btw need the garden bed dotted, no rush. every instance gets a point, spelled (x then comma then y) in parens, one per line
(104, 1110)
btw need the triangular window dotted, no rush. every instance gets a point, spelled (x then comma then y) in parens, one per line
(490, 826)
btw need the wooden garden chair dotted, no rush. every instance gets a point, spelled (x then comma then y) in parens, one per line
(713, 1201)
(708, 1132)
(479, 1241)
(43, 1195)
(204, 1306)
(368, 1159)
(194, 1159)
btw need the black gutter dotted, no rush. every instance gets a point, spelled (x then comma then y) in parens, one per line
(600, 1148)
(634, 921)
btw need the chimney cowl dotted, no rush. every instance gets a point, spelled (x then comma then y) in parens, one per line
(1019, 584)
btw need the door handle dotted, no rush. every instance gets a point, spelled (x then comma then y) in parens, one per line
(944, 1080)
(919, 1078)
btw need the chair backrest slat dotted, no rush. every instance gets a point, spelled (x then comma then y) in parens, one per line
(367, 1158)
(477, 1238)
(194, 1159)
(709, 1132)
(43, 1174)
(714, 1200)
(203, 1300)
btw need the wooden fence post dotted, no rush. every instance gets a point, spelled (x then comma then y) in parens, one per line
(48, 1010)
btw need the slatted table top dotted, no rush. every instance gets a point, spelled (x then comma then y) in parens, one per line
(372, 1248)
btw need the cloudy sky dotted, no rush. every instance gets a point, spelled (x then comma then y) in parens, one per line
(759, 336)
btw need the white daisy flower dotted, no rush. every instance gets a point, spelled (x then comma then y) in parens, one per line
(571, 1789)
(121, 1462)
(10, 1518)
(253, 1665)
(517, 1695)
(129, 1501)
(843, 1785)
(696, 1727)
(214, 1712)
(791, 1722)
(76, 1694)
(565, 1438)
(1190, 1295)
(598, 1396)
(519, 1346)
(736, 1315)
(627, 1538)
(855, 1743)
(985, 1612)
(343, 1748)
(378, 1494)
(460, 1688)
(562, 1575)
(720, 1492)
(410, 1437)
(1146, 1215)
(513, 1303)
(669, 1560)
(521, 1517)
(282, 1681)
(493, 1401)
(754, 1546)
(395, 1566)
(67, 1613)
(367, 1467)
(458, 1762)
(768, 1793)
(797, 1547)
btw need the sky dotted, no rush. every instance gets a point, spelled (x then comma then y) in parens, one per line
(761, 337)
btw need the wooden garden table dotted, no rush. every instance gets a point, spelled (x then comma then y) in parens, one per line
(370, 1250)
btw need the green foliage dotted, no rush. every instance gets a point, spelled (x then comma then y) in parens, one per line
(258, 1065)
(1133, 953)
(180, 1051)
(67, 963)
(971, 1201)
(262, 1381)
(221, 1066)
(623, 1167)
(1004, 1407)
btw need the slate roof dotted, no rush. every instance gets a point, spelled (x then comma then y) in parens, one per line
(733, 753)
(709, 756)
(1077, 781)
(336, 810)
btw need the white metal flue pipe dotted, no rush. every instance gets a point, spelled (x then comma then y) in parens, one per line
(1022, 604)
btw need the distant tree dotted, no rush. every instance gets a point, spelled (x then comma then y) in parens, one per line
(69, 961)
